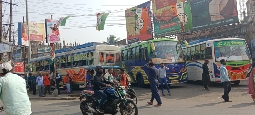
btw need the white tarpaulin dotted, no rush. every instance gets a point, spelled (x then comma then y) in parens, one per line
(5, 48)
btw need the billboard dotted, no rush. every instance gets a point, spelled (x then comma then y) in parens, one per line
(22, 34)
(4, 48)
(19, 67)
(171, 16)
(52, 31)
(36, 31)
(138, 22)
(211, 13)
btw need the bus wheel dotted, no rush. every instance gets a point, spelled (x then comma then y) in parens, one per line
(236, 82)
(140, 81)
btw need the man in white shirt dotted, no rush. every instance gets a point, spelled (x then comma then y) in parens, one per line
(163, 79)
(13, 92)
(108, 75)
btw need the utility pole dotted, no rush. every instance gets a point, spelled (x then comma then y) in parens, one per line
(1, 24)
(29, 46)
(10, 29)
(24, 52)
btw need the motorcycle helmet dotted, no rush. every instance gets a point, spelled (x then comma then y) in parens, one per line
(98, 69)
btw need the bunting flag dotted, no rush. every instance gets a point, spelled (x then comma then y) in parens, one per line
(101, 18)
(141, 17)
(62, 21)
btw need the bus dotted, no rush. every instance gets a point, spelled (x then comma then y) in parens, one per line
(163, 50)
(74, 61)
(233, 50)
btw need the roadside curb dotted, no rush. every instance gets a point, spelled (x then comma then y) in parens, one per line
(52, 98)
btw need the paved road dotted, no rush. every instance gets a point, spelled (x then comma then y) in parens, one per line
(186, 99)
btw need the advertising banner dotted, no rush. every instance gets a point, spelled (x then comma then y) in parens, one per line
(36, 31)
(5, 48)
(44, 49)
(171, 16)
(138, 22)
(212, 13)
(22, 34)
(19, 67)
(52, 31)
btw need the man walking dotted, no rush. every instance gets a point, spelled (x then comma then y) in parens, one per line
(33, 83)
(225, 80)
(58, 80)
(163, 79)
(152, 77)
(39, 81)
(46, 80)
(205, 75)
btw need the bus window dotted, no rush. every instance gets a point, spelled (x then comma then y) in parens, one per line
(83, 59)
(208, 53)
(129, 53)
(131, 56)
(134, 53)
(63, 62)
(101, 57)
(46, 64)
(37, 65)
(184, 50)
(125, 54)
(137, 52)
(188, 54)
(41, 65)
(34, 67)
(140, 52)
(117, 57)
(146, 53)
(202, 51)
(109, 58)
(192, 53)
(69, 60)
(76, 59)
(90, 58)
(58, 62)
(197, 52)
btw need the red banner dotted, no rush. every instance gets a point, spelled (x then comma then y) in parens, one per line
(19, 67)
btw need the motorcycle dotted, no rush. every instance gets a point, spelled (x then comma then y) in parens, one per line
(116, 99)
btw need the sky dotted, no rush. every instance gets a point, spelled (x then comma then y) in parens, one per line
(77, 28)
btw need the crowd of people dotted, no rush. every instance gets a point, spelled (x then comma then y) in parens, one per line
(158, 76)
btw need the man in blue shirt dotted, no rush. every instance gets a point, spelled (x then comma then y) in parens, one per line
(39, 81)
(225, 80)
(152, 77)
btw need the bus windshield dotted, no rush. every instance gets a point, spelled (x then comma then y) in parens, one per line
(231, 50)
(166, 50)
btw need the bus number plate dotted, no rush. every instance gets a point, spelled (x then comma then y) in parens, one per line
(174, 81)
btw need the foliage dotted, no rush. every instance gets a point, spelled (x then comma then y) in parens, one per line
(112, 40)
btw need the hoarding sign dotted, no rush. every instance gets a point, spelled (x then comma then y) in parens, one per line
(212, 13)
(138, 22)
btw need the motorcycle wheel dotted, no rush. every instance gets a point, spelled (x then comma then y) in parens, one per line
(84, 106)
(127, 109)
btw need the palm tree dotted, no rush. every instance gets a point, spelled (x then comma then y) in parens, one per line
(112, 40)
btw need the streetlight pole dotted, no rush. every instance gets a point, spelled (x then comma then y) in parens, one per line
(29, 44)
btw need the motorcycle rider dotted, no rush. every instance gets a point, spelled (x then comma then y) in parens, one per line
(99, 83)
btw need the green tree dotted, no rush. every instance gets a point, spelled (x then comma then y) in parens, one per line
(112, 40)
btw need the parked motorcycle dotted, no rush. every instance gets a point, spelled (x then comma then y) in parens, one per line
(116, 100)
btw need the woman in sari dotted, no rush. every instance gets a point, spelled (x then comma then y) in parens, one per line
(251, 85)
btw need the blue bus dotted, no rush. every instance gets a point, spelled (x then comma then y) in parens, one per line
(163, 50)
